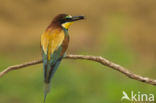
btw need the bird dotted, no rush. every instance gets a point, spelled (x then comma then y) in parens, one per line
(54, 43)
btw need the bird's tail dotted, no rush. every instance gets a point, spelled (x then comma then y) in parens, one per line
(46, 90)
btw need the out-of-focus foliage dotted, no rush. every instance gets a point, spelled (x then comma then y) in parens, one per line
(120, 30)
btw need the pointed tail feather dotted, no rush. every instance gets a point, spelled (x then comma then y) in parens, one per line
(46, 90)
(49, 70)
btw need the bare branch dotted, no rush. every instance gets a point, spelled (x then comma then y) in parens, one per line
(19, 66)
(91, 58)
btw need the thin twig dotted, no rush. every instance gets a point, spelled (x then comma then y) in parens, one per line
(91, 58)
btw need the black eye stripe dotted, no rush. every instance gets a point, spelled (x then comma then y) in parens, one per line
(67, 19)
(63, 20)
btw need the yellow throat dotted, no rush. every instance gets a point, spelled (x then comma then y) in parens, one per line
(66, 25)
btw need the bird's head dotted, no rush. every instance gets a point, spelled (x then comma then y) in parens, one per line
(64, 20)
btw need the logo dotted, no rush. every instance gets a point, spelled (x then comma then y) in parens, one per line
(139, 97)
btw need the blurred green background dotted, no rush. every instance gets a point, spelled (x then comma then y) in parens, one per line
(123, 31)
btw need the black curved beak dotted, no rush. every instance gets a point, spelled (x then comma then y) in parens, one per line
(75, 18)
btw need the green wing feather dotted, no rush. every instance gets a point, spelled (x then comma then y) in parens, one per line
(52, 59)
(50, 67)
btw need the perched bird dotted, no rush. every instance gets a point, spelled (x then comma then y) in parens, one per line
(54, 43)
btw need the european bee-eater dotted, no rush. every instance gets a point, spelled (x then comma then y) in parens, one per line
(54, 43)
